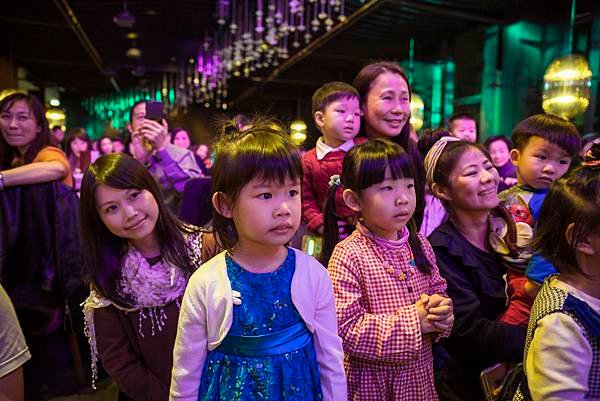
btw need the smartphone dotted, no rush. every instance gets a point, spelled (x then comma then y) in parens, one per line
(493, 380)
(154, 111)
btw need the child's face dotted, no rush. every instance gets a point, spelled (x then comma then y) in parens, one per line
(267, 213)
(540, 163)
(500, 153)
(387, 207)
(464, 129)
(473, 183)
(340, 121)
(128, 213)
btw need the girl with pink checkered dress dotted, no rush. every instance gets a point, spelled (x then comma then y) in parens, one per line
(390, 298)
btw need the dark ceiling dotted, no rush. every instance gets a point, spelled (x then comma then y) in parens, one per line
(74, 44)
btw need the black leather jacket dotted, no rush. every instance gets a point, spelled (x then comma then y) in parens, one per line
(40, 252)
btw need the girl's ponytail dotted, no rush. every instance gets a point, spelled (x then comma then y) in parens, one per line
(420, 259)
(330, 225)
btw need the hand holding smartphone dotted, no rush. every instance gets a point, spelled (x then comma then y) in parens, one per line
(154, 111)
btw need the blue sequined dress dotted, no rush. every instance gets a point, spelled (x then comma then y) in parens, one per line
(266, 308)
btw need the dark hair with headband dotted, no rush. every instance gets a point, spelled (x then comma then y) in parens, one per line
(365, 165)
(574, 200)
(440, 162)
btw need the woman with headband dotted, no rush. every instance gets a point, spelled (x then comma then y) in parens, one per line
(462, 176)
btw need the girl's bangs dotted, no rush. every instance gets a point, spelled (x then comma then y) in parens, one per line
(268, 161)
(373, 167)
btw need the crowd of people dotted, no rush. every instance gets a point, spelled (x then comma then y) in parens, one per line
(449, 269)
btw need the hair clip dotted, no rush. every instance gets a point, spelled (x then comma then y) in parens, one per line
(335, 180)
(591, 163)
(589, 160)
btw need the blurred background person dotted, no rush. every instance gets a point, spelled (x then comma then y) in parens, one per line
(181, 138)
(499, 148)
(119, 145)
(26, 154)
(57, 135)
(80, 153)
(105, 145)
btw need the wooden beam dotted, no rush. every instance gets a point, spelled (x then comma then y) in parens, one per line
(445, 9)
(71, 18)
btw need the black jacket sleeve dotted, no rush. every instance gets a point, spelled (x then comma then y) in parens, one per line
(478, 298)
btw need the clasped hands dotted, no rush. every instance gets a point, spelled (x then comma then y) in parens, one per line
(435, 313)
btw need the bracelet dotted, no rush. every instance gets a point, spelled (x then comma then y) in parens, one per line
(1, 181)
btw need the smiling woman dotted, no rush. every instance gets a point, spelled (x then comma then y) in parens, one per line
(463, 177)
(385, 96)
(26, 156)
(138, 261)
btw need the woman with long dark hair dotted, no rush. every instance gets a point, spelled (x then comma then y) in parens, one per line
(26, 156)
(138, 261)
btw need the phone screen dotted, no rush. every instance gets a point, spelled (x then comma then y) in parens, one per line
(154, 111)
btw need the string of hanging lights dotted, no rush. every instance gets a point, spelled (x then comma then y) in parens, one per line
(251, 35)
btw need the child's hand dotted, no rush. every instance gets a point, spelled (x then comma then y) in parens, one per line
(427, 326)
(440, 312)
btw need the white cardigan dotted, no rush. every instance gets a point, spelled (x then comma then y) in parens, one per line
(207, 313)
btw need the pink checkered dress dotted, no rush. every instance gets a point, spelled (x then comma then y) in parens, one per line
(375, 286)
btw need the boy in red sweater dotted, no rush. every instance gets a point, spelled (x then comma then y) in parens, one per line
(336, 110)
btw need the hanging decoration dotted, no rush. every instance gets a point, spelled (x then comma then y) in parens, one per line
(256, 35)
(56, 116)
(568, 80)
(251, 35)
(567, 86)
(298, 132)
(417, 111)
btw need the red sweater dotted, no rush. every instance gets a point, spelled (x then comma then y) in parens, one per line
(316, 185)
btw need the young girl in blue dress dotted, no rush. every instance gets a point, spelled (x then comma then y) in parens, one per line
(258, 321)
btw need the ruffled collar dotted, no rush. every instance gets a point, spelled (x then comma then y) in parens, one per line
(382, 242)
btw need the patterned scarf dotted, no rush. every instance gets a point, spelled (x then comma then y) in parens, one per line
(150, 288)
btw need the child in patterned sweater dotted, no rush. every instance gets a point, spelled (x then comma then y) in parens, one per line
(545, 145)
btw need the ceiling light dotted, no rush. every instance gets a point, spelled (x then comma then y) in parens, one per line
(133, 52)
